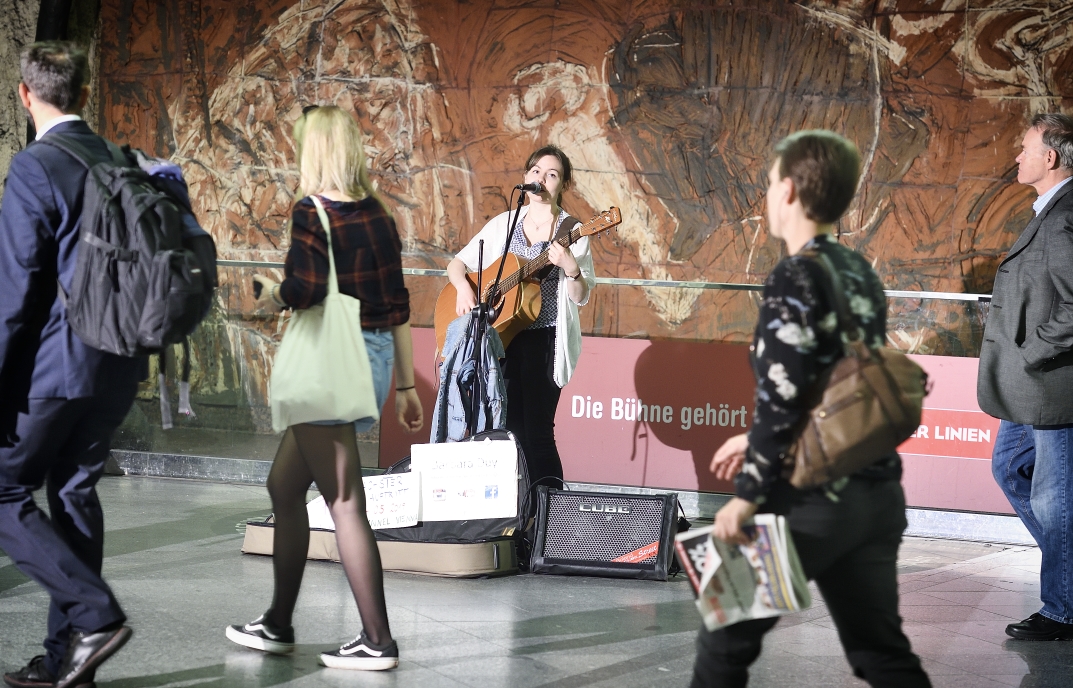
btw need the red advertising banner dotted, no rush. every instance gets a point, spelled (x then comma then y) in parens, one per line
(652, 414)
(948, 460)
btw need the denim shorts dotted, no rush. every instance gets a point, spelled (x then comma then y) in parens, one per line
(380, 345)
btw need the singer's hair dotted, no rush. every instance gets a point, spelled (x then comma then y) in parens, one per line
(825, 168)
(331, 154)
(557, 153)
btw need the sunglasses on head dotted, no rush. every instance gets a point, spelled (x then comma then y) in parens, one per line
(309, 108)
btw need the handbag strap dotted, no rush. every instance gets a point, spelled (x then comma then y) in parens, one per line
(333, 278)
(837, 295)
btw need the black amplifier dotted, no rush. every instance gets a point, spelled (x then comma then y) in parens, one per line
(604, 534)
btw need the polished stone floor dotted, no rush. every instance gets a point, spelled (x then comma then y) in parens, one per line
(173, 557)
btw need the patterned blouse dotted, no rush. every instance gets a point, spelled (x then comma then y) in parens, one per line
(796, 340)
(549, 284)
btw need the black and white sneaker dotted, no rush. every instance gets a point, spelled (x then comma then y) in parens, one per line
(261, 635)
(361, 655)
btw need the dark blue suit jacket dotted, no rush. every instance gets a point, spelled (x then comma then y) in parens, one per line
(40, 219)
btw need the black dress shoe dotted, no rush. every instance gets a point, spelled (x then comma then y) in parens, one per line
(33, 675)
(86, 652)
(1039, 627)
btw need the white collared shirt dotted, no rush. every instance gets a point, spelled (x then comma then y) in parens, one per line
(53, 122)
(1043, 200)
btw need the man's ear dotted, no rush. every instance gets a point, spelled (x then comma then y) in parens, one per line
(1051, 156)
(24, 95)
(791, 190)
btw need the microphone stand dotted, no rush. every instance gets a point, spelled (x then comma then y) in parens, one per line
(487, 313)
(494, 291)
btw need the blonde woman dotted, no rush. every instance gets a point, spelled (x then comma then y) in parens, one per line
(368, 262)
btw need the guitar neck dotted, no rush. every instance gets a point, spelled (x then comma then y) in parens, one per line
(537, 264)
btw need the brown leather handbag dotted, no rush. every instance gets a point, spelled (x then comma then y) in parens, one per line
(866, 404)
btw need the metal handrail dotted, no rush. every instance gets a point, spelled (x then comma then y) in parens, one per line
(665, 284)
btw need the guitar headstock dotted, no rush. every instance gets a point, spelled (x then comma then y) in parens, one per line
(602, 222)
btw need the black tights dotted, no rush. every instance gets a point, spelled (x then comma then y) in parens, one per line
(327, 455)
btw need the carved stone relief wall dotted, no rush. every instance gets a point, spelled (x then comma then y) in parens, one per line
(18, 19)
(668, 110)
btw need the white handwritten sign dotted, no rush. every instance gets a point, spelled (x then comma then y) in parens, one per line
(488, 456)
(391, 501)
(466, 480)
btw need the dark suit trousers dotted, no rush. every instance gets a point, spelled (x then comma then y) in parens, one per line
(850, 549)
(62, 444)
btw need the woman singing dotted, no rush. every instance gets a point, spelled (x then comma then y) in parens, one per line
(540, 359)
(368, 262)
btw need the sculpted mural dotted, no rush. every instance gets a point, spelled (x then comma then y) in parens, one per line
(667, 109)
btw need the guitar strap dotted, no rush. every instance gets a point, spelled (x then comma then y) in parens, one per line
(565, 226)
(568, 223)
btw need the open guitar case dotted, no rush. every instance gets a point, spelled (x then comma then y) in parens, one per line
(458, 549)
(475, 547)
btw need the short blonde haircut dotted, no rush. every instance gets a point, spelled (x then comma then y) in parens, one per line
(331, 154)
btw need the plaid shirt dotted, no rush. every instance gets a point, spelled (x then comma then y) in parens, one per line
(368, 260)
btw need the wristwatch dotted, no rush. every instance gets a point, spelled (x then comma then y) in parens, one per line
(577, 276)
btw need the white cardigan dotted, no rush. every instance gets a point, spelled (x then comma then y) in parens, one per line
(568, 323)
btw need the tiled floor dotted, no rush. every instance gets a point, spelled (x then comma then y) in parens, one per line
(173, 558)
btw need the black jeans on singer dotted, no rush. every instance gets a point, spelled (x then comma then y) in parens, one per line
(532, 397)
(850, 548)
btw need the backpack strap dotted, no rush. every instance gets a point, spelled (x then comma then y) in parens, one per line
(119, 155)
(77, 150)
(184, 383)
(166, 421)
(71, 147)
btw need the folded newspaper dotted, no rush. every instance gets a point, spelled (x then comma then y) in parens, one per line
(739, 582)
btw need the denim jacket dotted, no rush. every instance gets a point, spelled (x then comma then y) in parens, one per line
(456, 375)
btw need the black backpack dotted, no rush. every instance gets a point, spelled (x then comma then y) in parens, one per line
(146, 271)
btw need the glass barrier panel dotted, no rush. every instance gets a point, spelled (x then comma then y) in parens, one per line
(231, 352)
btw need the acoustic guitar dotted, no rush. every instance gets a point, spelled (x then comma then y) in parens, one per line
(518, 302)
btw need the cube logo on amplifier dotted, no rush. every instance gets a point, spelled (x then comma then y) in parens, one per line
(601, 534)
(603, 508)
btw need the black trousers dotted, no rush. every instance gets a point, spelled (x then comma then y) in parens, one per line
(850, 549)
(62, 444)
(532, 397)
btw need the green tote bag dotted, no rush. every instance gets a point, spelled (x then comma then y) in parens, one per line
(322, 371)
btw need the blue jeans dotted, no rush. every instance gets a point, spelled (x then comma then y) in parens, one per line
(380, 345)
(1034, 467)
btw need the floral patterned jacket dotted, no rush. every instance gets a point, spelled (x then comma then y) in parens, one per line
(796, 340)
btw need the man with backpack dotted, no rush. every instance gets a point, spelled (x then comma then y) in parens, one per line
(60, 400)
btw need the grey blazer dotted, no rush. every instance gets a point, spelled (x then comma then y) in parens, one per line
(1026, 361)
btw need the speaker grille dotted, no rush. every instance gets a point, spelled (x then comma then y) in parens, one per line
(604, 535)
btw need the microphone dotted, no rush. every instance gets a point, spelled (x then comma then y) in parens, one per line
(535, 187)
